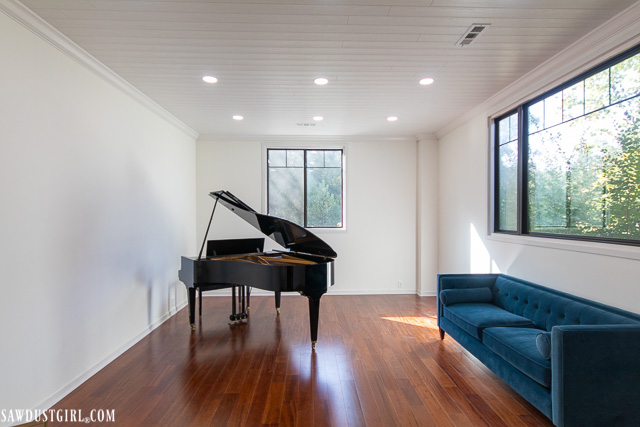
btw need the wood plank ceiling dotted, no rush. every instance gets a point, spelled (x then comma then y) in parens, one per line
(266, 54)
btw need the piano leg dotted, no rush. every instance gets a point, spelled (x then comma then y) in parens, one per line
(278, 302)
(243, 302)
(233, 316)
(248, 298)
(192, 307)
(200, 302)
(314, 311)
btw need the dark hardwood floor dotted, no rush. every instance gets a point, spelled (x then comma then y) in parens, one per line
(378, 362)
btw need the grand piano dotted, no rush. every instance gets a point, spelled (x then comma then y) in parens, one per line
(305, 266)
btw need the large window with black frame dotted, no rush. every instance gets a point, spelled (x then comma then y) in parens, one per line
(305, 186)
(567, 163)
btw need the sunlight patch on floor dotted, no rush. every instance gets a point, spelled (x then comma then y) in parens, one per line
(423, 321)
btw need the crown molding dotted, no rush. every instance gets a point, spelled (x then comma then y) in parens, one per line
(604, 42)
(34, 23)
(305, 138)
(426, 137)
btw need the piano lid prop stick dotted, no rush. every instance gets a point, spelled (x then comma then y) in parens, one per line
(207, 233)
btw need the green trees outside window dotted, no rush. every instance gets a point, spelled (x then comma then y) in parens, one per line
(305, 186)
(578, 160)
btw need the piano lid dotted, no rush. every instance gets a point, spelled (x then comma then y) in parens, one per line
(284, 232)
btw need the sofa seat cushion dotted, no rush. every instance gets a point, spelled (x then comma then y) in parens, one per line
(518, 347)
(474, 317)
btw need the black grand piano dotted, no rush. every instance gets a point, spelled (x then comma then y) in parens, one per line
(305, 267)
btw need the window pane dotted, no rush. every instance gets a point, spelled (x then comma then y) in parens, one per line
(503, 131)
(324, 197)
(295, 158)
(625, 79)
(573, 101)
(508, 186)
(596, 90)
(513, 127)
(286, 194)
(508, 128)
(333, 158)
(507, 168)
(547, 182)
(553, 110)
(315, 159)
(536, 117)
(277, 158)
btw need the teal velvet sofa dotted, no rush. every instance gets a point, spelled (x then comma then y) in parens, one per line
(575, 360)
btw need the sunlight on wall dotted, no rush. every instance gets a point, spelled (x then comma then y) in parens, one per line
(479, 258)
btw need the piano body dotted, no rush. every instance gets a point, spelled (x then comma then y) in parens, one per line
(305, 267)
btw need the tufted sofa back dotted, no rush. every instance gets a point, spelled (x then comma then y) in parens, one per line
(548, 308)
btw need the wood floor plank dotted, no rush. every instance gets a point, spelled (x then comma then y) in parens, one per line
(378, 362)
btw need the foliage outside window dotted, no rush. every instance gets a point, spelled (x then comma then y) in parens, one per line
(576, 154)
(305, 186)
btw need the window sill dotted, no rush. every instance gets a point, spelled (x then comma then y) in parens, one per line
(605, 249)
(320, 230)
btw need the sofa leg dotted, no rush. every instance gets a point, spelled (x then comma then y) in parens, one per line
(441, 333)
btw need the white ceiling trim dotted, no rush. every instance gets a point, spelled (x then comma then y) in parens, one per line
(611, 38)
(305, 138)
(24, 16)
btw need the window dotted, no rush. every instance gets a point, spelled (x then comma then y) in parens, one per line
(567, 164)
(306, 186)
(507, 172)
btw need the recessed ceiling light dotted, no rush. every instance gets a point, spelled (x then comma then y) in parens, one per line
(318, 118)
(209, 79)
(238, 118)
(321, 81)
(392, 118)
(426, 81)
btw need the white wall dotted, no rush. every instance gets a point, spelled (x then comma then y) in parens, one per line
(97, 206)
(428, 215)
(606, 273)
(377, 250)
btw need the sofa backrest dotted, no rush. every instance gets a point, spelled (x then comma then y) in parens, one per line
(548, 308)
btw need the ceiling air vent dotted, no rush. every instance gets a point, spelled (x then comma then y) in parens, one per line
(306, 124)
(471, 34)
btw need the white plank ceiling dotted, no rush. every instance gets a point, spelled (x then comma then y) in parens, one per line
(266, 54)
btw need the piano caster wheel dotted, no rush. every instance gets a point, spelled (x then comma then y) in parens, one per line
(244, 315)
(313, 345)
(278, 311)
(193, 327)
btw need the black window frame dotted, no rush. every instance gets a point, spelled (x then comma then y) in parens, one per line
(305, 187)
(523, 226)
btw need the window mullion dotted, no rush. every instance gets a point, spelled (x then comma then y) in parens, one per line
(496, 177)
(523, 173)
(304, 193)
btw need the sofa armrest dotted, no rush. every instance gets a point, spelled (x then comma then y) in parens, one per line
(595, 374)
(462, 281)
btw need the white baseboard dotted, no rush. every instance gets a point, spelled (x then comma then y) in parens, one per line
(58, 395)
(372, 292)
(428, 294)
(260, 292)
